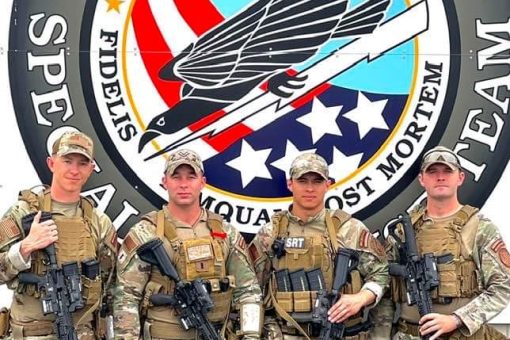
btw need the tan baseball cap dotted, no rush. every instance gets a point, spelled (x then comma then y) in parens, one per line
(74, 142)
(440, 154)
(184, 156)
(309, 162)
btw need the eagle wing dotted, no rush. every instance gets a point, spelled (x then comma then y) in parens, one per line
(267, 37)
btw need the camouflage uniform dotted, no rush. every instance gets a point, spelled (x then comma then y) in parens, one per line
(351, 233)
(133, 273)
(136, 317)
(475, 286)
(492, 262)
(26, 317)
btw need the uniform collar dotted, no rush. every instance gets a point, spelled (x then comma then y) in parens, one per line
(321, 215)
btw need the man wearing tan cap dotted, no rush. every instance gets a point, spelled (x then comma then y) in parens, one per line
(79, 233)
(201, 245)
(302, 242)
(475, 286)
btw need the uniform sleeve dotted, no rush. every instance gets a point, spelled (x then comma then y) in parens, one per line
(11, 261)
(258, 251)
(373, 264)
(239, 264)
(132, 276)
(493, 262)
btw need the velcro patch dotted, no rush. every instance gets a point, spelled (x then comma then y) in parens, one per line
(295, 243)
(254, 252)
(369, 242)
(499, 247)
(129, 243)
(8, 229)
(200, 252)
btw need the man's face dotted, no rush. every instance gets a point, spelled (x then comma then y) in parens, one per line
(70, 172)
(308, 191)
(184, 186)
(440, 181)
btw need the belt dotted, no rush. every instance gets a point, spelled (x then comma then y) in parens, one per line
(408, 327)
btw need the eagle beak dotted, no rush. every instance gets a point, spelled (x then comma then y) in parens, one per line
(147, 136)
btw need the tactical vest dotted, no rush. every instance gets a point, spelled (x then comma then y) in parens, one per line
(202, 257)
(76, 242)
(459, 279)
(318, 251)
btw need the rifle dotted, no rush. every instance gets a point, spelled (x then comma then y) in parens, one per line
(191, 299)
(419, 272)
(346, 260)
(61, 286)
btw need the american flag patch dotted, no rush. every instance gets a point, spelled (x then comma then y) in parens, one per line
(8, 229)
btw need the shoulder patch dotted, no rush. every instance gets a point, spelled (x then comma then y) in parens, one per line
(369, 242)
(499, 248)
(9, 230)
(253, 252)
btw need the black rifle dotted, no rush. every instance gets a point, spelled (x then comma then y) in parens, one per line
(61, 286)
(346, 260)
(419, 272)
(190, 299)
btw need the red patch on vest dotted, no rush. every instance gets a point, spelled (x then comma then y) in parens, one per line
(221, 235)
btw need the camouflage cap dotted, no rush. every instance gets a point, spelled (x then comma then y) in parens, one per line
(309, 162)
(74, 142)
(440, 154)
(184, 156)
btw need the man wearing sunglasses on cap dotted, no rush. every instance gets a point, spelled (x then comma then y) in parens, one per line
(474, 286)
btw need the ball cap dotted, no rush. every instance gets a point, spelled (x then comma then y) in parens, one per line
(309, 162)
(440, 154)
(74, 142)
(183, 156)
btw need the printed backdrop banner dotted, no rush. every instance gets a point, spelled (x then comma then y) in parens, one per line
(249, 85)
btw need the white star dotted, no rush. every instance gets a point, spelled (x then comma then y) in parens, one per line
(321, 120)
(342, 165)
(251, 163)
(291, 152)
(368, 115)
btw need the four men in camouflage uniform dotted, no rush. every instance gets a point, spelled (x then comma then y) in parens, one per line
(79, 233)
(201, 245)
(475, 285)
(311, 236)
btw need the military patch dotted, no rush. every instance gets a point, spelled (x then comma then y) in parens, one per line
(200, 252)
(364, 239)
(499, 247)
(122, 256)
(8, 229)
(295, 243)
(130, 243)
(241, 243)
(217, 234)
(368, 241)
(253, 252)
(113, 240)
